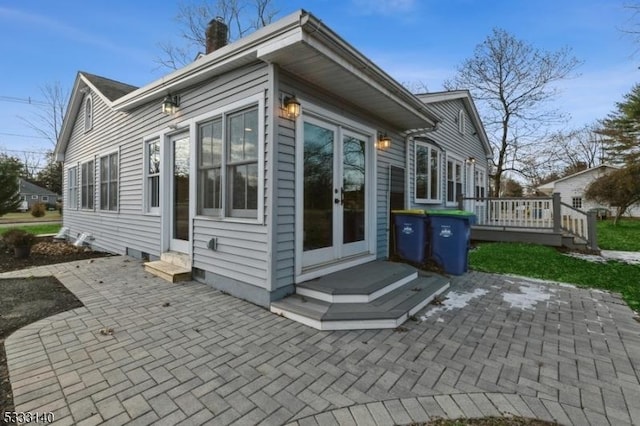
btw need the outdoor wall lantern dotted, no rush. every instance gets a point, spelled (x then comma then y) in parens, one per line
(471, 160)
(170, 104)
(384, 142)
(292, 106)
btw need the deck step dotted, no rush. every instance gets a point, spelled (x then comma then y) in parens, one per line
(168, 271)
(387, 311)
(360, 284)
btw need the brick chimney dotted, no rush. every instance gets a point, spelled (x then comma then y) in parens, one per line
(216, 34)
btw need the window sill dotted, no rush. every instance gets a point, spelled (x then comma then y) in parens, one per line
(425, 201)
(229, 219)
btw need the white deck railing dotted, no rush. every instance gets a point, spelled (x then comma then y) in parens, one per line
(540, 213)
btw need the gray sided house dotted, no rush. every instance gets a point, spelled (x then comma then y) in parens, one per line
(31, 194)
(211, 167)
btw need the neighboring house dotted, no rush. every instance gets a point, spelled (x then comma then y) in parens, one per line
(572, 188)
(273, 160)
(31, 194)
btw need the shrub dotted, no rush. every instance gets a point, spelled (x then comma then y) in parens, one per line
(38, 210)
(18, 238)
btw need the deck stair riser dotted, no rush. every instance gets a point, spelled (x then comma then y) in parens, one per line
(371, 296)
(173, 267)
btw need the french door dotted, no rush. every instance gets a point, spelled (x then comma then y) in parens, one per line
(179, 193)
(335, 218)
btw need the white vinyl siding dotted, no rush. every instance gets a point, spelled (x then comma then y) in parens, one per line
(87, 189)
(109, 182)
(427, 173)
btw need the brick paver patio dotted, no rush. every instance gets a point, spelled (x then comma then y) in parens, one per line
(188, 354)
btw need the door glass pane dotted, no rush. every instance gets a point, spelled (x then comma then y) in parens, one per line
(353, 187)
(318, 187)
(181, 189)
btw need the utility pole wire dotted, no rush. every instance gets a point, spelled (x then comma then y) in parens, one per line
(16, 100)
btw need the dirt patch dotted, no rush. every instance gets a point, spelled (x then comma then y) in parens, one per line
(22, 302)
(26, 300)
(46, 252)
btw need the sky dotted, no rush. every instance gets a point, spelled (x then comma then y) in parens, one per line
(418, 42)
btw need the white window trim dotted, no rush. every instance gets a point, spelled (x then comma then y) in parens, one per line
(74, 206)
(88, 119)
(45, 198)
(482, 170)
(80, 186)
(34, 197)
(462, 122)
(431, 146)
(223, 112)
(454, 158)
(146, 208)
(98, 178)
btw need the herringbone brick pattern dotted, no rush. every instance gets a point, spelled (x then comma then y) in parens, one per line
(185, 353)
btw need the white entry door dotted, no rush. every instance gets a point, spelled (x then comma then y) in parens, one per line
(335, 175)
(179, 193)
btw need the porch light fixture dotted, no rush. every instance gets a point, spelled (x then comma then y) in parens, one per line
(292, 106)
(384, 142)
(170, 104)
(471, 160)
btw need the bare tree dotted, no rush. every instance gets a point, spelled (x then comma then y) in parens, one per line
(513, 83)
(241, 17)
(47, 122)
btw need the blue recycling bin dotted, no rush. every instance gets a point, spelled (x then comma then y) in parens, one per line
(450, 239)
(411, 234)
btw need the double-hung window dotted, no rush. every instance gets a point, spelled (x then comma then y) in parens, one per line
(228, 165)
(109, 182)
(72, 187)
(427, 172)
(87, 190)
(454, 180)
(480, 183)
(153, 175)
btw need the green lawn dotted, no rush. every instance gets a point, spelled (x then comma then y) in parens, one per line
(624, 236)
(548, 263)
(46, 228)
(26, 217)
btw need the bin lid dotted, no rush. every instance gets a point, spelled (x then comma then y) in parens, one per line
(463, 214)
(411, 211)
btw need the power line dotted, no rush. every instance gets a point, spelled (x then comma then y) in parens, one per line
(43, 152)
(17, 100)
(23, 136)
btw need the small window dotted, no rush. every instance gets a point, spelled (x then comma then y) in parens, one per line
(576, 202)
(88, 114)
(480, 183)
(427, 172)
(462, 122)
(454, 180)
(87, 193)
(153, 175)
(109, 182)
(45, 198)
(72, 185)
(34, 197)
